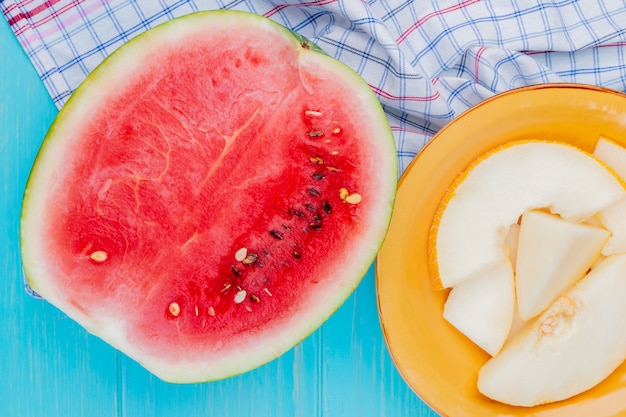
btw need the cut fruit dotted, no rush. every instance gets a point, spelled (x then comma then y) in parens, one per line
(571, 347)
(612, 154)
(516, 326)
(552, 254)
(469, 229)
(511, 242)
(614, 216)
(185, 204)
(482, 308)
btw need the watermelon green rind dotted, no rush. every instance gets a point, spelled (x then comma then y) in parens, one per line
(308, 314)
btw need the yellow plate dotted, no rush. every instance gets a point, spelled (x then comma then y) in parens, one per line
(437, 362)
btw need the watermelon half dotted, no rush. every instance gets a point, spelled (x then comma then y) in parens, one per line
(209, 195)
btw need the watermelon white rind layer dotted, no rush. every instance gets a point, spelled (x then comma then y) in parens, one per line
(204, 209)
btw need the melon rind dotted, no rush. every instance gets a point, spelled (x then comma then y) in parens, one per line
(265, 344)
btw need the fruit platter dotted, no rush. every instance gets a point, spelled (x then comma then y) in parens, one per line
(500, 287)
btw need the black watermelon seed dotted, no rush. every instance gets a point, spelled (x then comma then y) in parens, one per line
(310, 207)
(327, 207)
(234, 270)
(276, 234)
(314, 192)
(317, 175)
(298, 213)
(296, 254)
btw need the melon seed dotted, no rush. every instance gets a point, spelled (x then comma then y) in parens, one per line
(332, 169)
(211, 311)
(354, 198)
(99, 256)
(343, 193)
(254, 298)
(241, 254)
(267, 291)
(240, 296)
(298, 213)
(174, 309)
(310, 207)
(234, 270)
(327, 207)
(316, 133)
(313, 192)
(336, 128)
(250, 259)
(316, 160)
(313, 113)
(296, 254)
(317, 175)
(276, 234)
(196, 310)
(226, 287)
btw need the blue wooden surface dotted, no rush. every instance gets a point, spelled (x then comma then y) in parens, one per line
(51, 367)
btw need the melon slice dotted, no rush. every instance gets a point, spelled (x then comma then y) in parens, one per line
(482, 308)
(613, 217)
(552, 254)
(612, 154)
(568, 349)
(468, 232)
(511, 241)
(209, 195)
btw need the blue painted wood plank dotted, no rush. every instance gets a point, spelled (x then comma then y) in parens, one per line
(49, 365)
(52, 367)
(359, 377)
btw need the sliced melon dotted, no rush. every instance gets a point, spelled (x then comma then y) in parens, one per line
(516, 325)
(482, 308)
(552, 254)
(511, 241)
(568, 349)
(468, 232)
(612, 154)
(613, 217)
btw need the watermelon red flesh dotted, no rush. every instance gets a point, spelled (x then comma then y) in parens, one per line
(216, 132)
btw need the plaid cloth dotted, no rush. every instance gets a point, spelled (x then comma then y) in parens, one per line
(427, 60)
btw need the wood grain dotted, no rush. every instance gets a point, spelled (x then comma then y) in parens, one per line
(51, 367)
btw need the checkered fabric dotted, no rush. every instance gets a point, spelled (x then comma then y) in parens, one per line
(428, 60)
